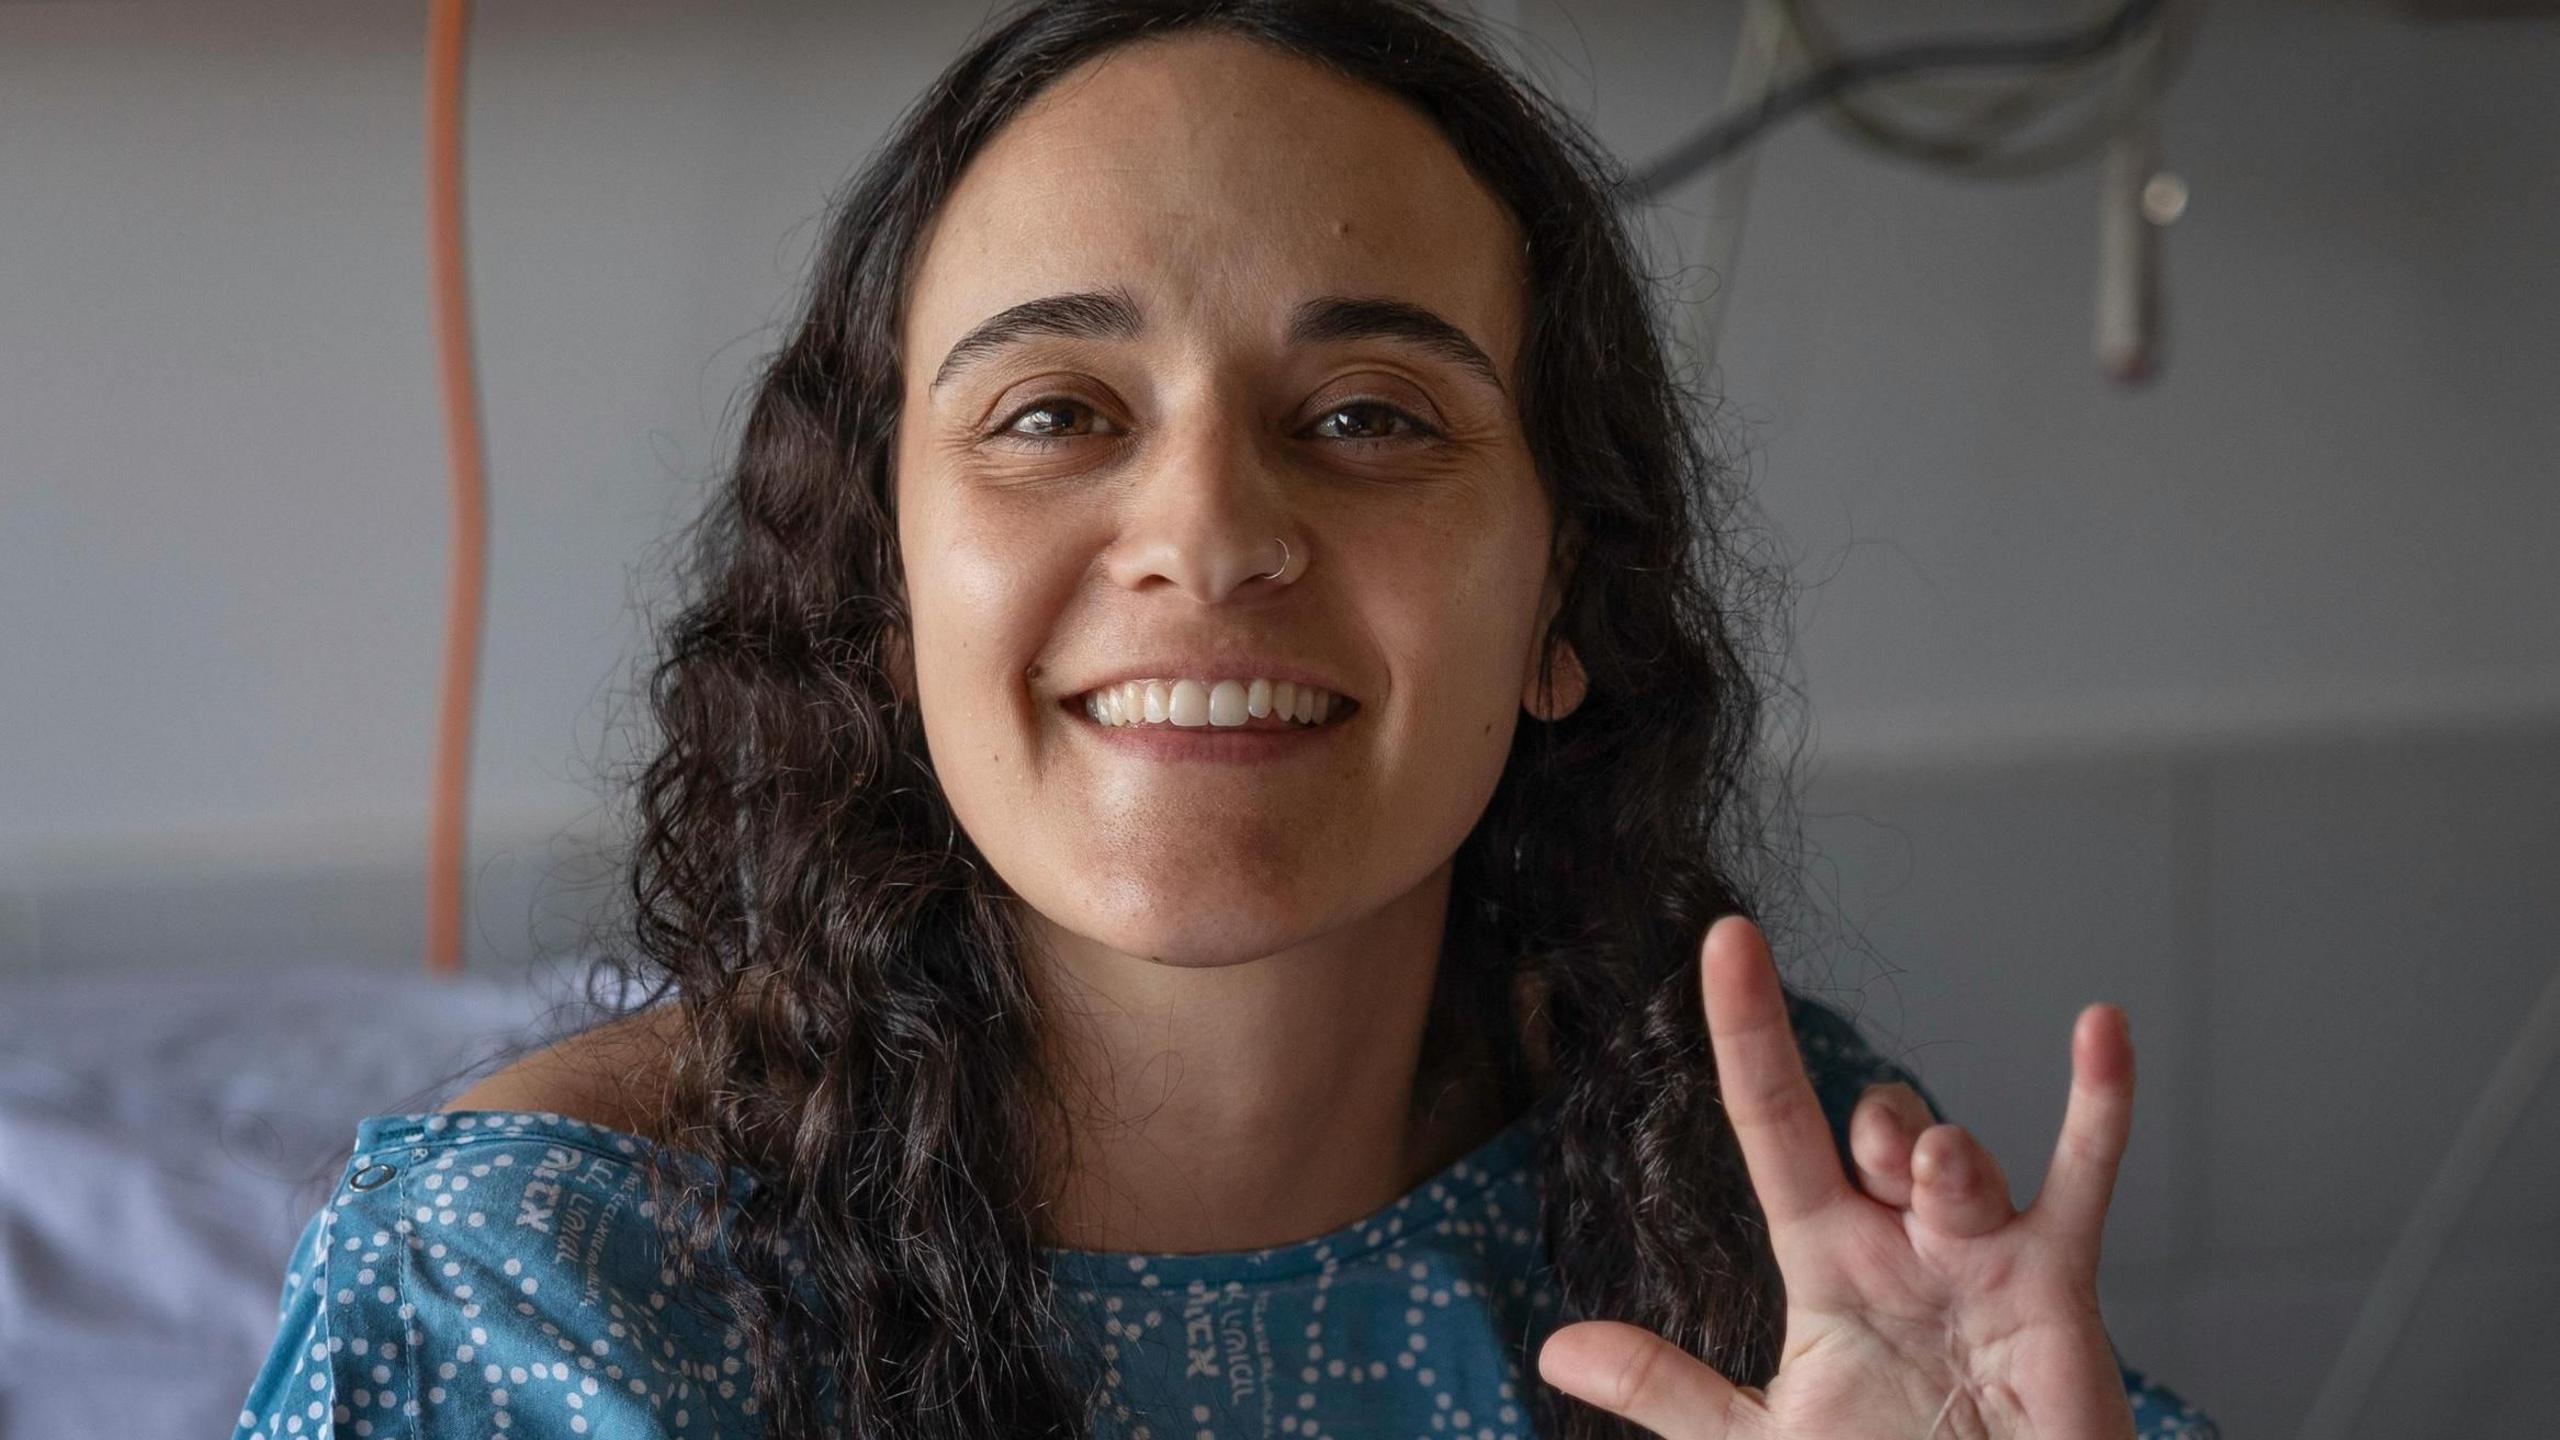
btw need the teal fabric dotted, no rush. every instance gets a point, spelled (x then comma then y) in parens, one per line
(486, 1273)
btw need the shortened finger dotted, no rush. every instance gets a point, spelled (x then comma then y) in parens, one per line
(1957, 1188)
(1786, 1140)
(1889, 1117)
(1637, 1374)
(2095, 1125)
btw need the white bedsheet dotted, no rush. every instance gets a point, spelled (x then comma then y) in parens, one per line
(159, 1137)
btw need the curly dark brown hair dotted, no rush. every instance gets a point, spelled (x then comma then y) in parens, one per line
(858, 1035)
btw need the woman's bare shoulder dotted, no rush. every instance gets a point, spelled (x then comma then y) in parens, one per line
(613, 1075)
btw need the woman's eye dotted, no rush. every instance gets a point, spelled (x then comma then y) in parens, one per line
(1052, 418)
(1057, 419)
(1377, 427)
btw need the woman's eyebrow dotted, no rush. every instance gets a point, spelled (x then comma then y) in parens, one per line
(1342, 317)
(1109, 314)
(1114, 314)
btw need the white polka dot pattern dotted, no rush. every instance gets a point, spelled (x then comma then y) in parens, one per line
(488, 1273)
(496, 1275)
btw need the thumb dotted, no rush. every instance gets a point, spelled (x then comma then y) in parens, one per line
(1637, 1374)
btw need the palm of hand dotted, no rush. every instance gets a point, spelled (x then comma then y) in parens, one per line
(1920, 1303)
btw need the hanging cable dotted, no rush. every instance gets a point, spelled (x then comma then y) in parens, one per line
(2131, 310)
(1979, 124)
(448, 833)
(1723, 135)
(2125, 60)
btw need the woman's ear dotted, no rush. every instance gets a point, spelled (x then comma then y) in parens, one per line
(1568, 684)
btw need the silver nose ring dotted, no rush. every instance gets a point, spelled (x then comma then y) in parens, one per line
(1284, 561)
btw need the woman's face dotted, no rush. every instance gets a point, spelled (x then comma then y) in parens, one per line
(1099, 495)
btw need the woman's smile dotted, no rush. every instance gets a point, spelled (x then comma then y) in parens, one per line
(1188, 726)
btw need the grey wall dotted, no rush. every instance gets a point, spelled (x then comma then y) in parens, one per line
(2236, 700)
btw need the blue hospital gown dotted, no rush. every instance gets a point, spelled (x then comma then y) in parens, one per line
(496, 1274)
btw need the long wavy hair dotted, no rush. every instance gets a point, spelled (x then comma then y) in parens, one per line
(858, 1035)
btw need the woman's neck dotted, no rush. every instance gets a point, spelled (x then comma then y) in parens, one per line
(1241, 1106)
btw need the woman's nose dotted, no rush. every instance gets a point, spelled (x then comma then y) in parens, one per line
(1211, 515)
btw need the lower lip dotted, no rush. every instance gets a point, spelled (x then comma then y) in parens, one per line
(1231, 743)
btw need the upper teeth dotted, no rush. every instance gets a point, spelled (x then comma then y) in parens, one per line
(1207, 702)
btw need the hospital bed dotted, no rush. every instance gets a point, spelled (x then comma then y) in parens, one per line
(164, 1134)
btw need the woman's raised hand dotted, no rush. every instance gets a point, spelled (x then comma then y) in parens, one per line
(1920, 1302)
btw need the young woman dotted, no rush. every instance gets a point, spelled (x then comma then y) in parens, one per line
(1198, 878)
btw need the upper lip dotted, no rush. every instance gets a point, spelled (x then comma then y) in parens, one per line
(1214, 668)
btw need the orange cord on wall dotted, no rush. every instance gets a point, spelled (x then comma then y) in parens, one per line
(447, 22)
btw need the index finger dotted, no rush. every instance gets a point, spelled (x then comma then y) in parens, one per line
(1786, 1141)
(2096, 1122)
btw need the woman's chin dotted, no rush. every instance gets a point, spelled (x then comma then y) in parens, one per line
(1191, 926)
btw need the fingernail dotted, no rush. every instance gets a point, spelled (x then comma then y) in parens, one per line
(1942, 1167)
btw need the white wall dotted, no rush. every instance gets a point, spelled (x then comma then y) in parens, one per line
(2236, 699)
(226, 505)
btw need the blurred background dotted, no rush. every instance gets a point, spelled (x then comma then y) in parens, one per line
(2233, 697)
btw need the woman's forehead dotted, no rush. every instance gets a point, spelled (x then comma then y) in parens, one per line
(1220, 183)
